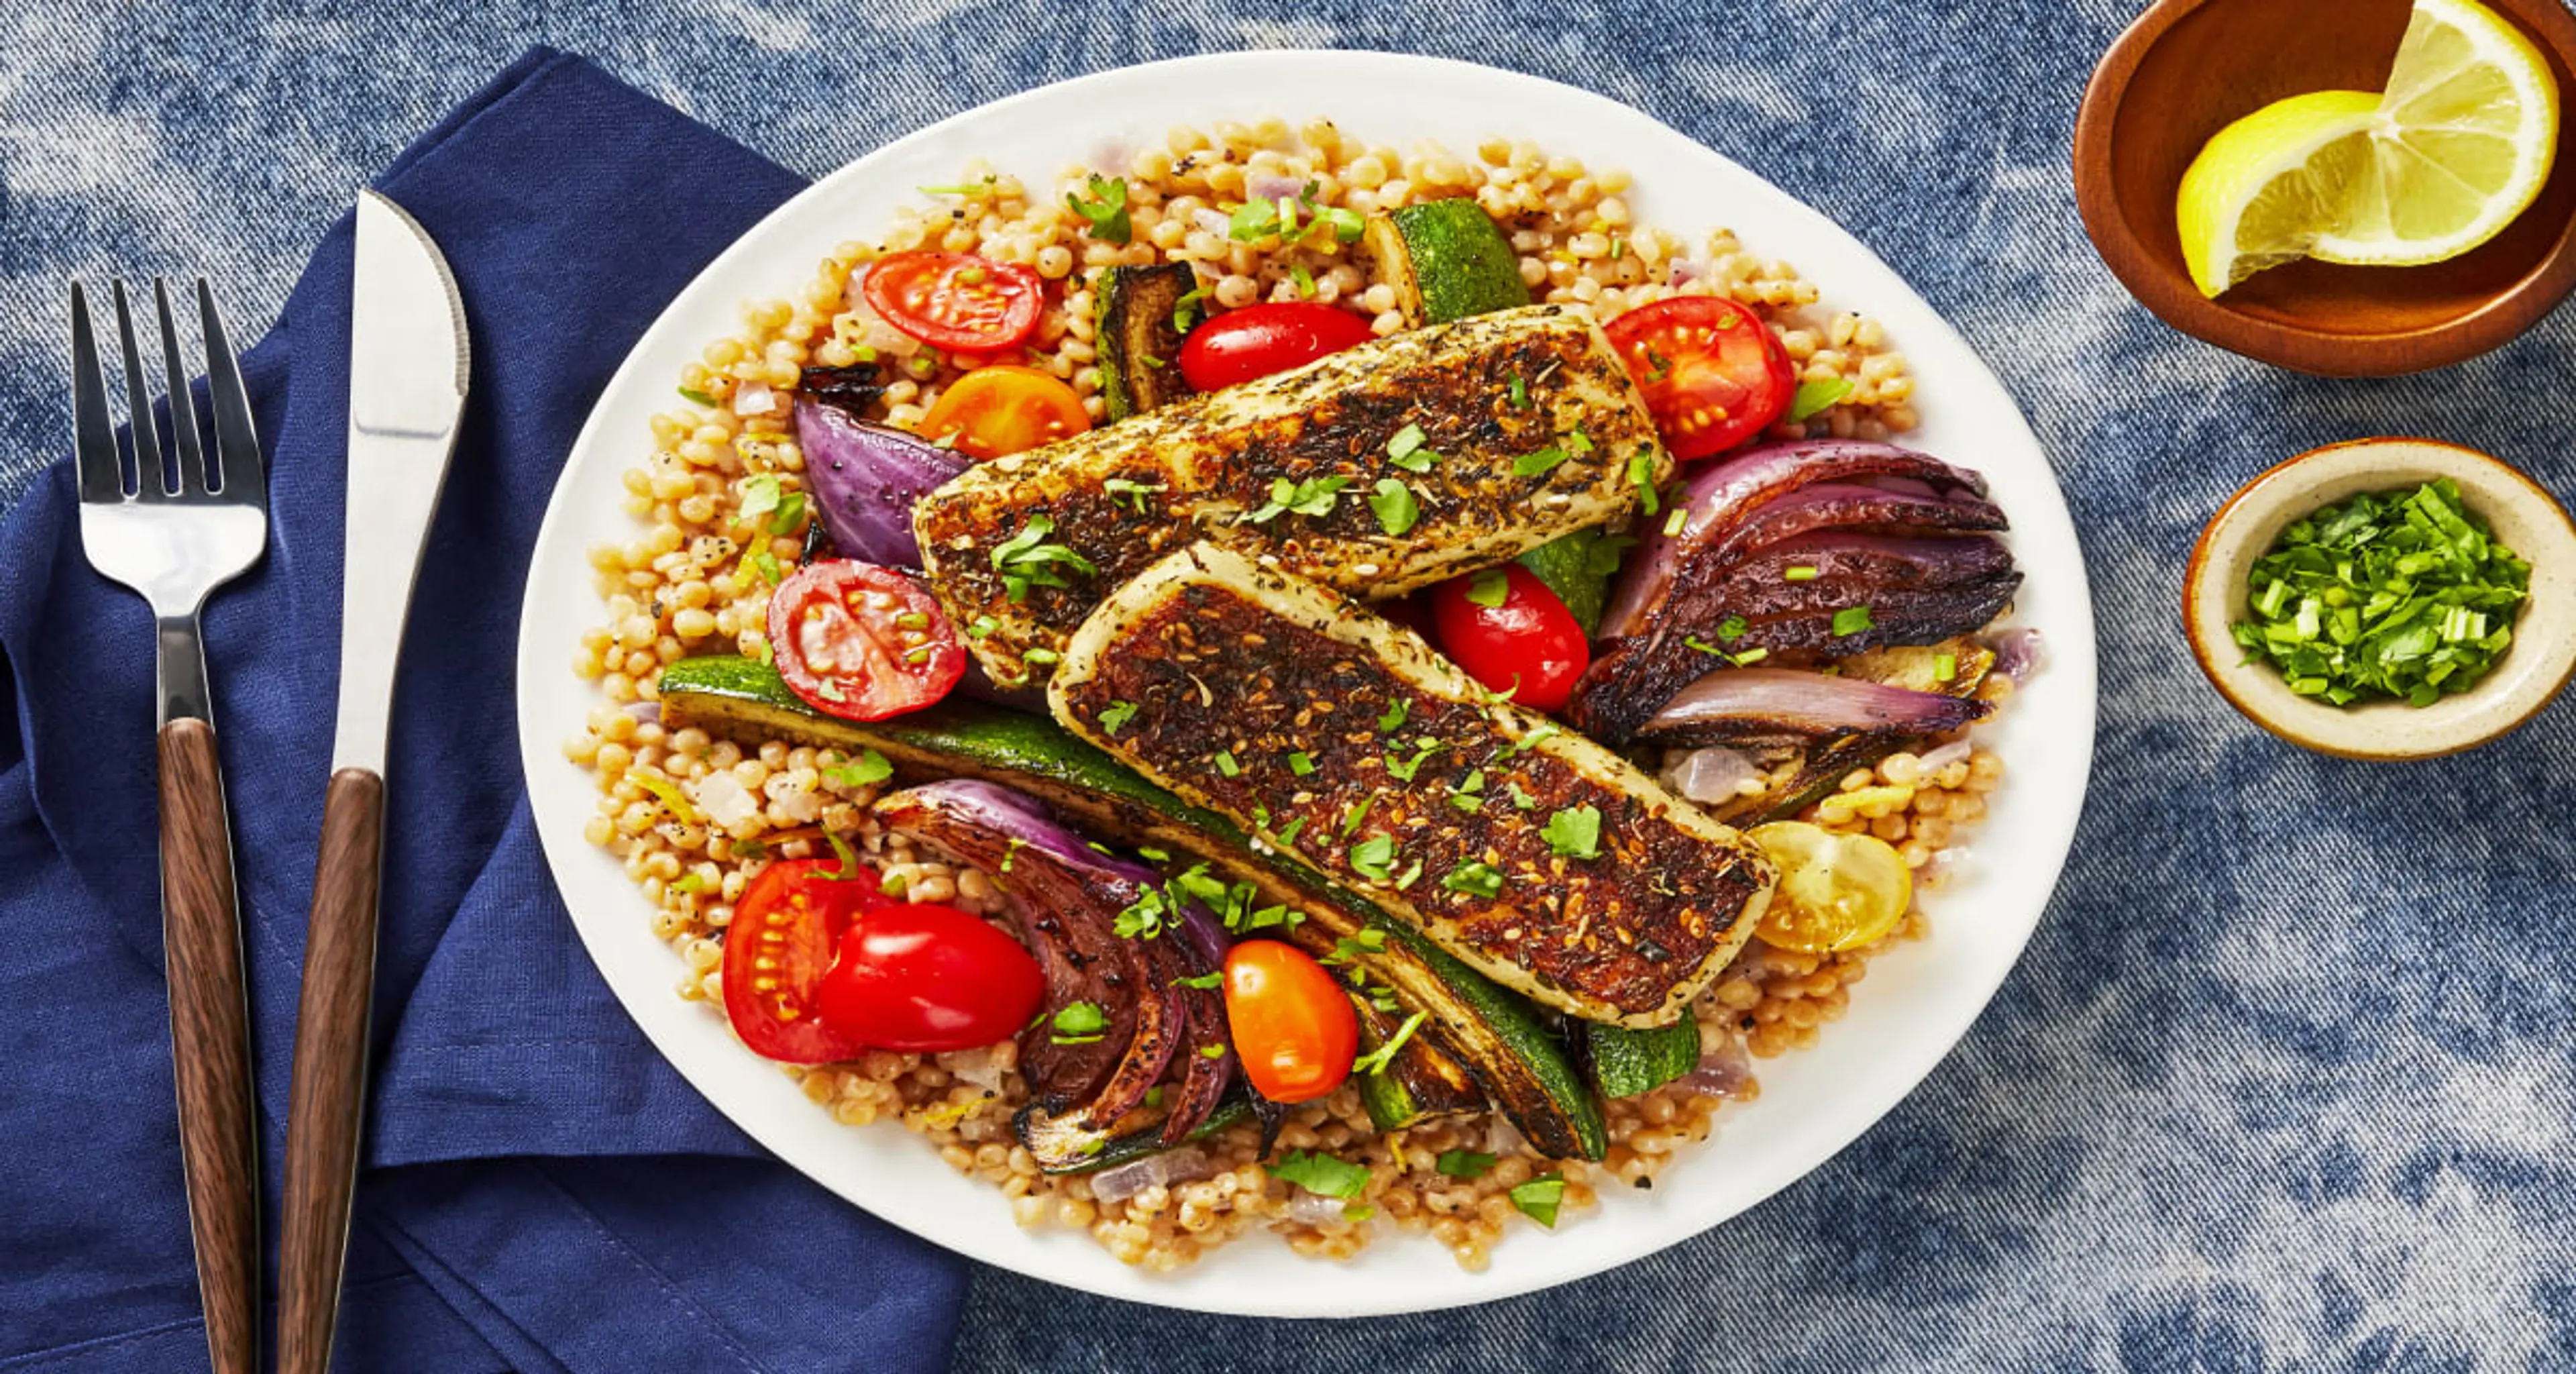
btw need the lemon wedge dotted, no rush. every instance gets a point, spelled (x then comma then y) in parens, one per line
(2458, 145)
(1836, 892)
(2467, 130)
(2262, 192)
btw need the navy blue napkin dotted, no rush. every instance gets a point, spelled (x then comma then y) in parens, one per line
(542, 1192)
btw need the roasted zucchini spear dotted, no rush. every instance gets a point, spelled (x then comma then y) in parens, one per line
(1138, 332)
(1445, 260)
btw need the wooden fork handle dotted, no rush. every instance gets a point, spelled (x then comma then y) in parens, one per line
(329, 1091)
(210, 1041)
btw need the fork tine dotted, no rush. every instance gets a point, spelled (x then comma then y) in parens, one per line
(236, 438)
(154, 479)
(102, 472)
(186, 451)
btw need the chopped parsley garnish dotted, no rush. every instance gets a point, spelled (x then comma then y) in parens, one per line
(1202, 981)
(1800, 573)
(1851, 620)
(1347, 224)
(1225, 764)
(1402, 770)
(1355, 813)
(1376, 1060)
(1545, 731)
(1185, 312)
(1350, 948)
(1383, 998)
(1304, 279)
(2394, 594)
(1026, 560)
(1579, 442)
(1574, 833)
(868, 768)
(1253, 220)
(1521, 799)
(1079, 1023)
(1322, 1174)
(1143, 918)
(1816, 397)
(1539, 1198)
(759, 496)
(1409, 451)
(1476, 879)
(1466, 795)
(696, 397)
(1405, 881)
(1732, 629)
(1396, 509)
(1314, 496)
(767, 563)
(1374, 857)
(1135, 492)
(1488, 588)
(1287, 834)
(1105, 207)
(1520, 393)
(1541, 463)
(1300, 764)
(1396, 711)
(1115, 718)
(849, 857)
(790, 513)
(1641, 475)
(1469, 1164)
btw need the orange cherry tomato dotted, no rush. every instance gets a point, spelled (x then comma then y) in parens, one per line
(994, 411)
(1293, 1027)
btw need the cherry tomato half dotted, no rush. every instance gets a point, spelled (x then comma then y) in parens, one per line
(1712, 374)
(994, 411)
(1258, 340)
(862, 642)
(956, 300)
(1529, 645)
(1293, 1027)
(921, 978)
(782, 940)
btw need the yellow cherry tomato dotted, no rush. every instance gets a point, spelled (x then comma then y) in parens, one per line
(1836, 891)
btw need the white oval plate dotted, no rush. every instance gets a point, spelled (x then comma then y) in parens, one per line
(1918, 1001)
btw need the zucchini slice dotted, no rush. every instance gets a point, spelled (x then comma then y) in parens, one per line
(1138, 334)
(1627, 1062)
(1578, 568)
(1063, 1146)
(1445, 260)
(1493, 1033)
(1420, 1082)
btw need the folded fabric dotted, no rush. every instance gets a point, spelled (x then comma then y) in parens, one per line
(541, 1191)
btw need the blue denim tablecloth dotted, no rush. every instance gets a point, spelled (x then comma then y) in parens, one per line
(2287, 1079)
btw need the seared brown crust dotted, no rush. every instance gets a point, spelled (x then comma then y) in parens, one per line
(1215, 664)
(1200, 469)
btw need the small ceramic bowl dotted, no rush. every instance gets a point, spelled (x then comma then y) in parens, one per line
(2188, 68)
(2518, 513)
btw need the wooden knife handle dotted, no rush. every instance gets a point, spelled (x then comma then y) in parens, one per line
(210, 1041)
(329, 1093)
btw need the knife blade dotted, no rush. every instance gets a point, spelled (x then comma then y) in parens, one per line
(408, 364)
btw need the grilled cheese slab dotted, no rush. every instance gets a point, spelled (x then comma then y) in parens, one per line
(1544, 860)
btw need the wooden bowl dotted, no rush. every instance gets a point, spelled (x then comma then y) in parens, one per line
(2189, 68)
(2518, 513)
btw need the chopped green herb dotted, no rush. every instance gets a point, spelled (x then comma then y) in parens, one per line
(1152, 855)
(1851, 620)
(1541, 463)
(1041, 656)
(849, 857)
(1579, 442)
(1322, 1174)
(1800, 573)
(696, 397)
(1253, 220)
(1185, 312)
(1202, 981)
(1300, 764)
(790, 513)
(1287, 834)
(1661, 366)
(1396, 710)
(1304, 279)
(868, 769)
(1945, 667)
(1011, 852)
(2396, 594)
(1816, 397)
(758, 497)
(1540, 734)
(1395, 507)
(1211, 1051)
(690, 883)
(1357, 1211)
(1489, 587)
(1641, 475)
(1079, 1023)
(1105, 207)
(1314, 496)
(1116, 717)
(767, 563)
(1134, 492)
(1383, 998)
(1374, 857)
(1225, 764)
(1143, 918)
(1468, 1164)
(1476, 879)
(1539, 1198)
(1732, 629)
(1351, 948)
(1521, 799)
(1410, 876)
(962, 189)
(1025, 560)
(1355, 813)
(1575, 832)
(1376, 1060)
(1520, 393)
(1673, 523)
(981, 626)
(1402, 770)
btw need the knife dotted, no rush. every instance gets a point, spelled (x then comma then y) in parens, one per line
(407, 372)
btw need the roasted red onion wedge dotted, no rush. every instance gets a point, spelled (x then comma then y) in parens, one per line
(1070, 896)
(1789, 706)
(865, 478)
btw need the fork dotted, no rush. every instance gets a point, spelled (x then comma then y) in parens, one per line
(177, 532)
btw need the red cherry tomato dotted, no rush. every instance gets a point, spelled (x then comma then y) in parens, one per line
(1712, 374)
(956, 300)
(781, 941)
(1293, 1027)
(921, 978)
(994, 411)
(1529, 645)
(862, 642)
(1258, 340)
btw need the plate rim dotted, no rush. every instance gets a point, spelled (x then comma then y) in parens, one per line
(2072, 675)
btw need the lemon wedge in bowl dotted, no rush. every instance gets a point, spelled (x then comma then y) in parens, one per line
(2458, 145)
(2468, 129)
(2262, 192)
